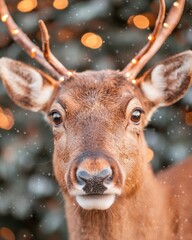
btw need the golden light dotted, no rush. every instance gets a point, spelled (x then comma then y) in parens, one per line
(61, 79)
(26, 5)
(134, 81)
(188, 118)
(150, 154)
(69, 73)
(33, 53)
(151, 38)
(4, 18)
(15, 31)
(176, 4)
(60, 4)
(128, 74)
(7, 234)
(91, 40)
(141, 21)
(165, 25)
(7, 119)
(134, 61)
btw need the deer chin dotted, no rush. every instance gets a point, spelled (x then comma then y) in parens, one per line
(97, 202)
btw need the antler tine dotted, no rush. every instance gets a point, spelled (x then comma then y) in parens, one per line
(156, 39)
(27, 45)
(47, 52)
(152, 37)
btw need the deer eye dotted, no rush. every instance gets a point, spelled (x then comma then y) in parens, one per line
(56, 118)
(136, 116)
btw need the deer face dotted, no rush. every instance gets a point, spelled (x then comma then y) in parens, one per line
(97, 120)
(98, 117)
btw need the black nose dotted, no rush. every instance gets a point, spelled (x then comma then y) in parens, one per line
(94, 183)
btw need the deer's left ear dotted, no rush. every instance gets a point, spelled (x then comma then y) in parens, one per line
(167, 82)
(28, 87)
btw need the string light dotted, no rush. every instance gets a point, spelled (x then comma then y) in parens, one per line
(165, 25)
(134, 61)
(15, 31)
(176, 4)
(151, 38)
(69, 74)
(4, 18)
(133, 81)
(61, 79)
(33, 53)
(128, 74)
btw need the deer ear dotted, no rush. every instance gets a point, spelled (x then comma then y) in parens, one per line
(28, 87)
(167, 82)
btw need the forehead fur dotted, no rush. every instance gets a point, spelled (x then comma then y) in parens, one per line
(103, 86)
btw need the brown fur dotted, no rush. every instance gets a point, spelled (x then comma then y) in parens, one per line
(147, 208)
(97, 132)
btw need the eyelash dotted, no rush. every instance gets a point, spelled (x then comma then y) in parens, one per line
(135, 119)
(58, 119)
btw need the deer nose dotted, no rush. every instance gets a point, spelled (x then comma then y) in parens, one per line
(93, 183)
(84, 176)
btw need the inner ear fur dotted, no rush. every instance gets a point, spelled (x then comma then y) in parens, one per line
(28, 87)
(168, 81)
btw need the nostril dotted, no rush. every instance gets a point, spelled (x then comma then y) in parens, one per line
(105, 175)
(82, 176)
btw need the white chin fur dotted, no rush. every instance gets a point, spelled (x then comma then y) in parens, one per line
(100, 202)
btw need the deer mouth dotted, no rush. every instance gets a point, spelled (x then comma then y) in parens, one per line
(97, 201)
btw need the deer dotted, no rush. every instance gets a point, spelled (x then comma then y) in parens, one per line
(98, 118)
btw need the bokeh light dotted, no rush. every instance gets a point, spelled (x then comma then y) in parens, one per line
(60, 4)
(4, 18)
(91, 40)
(26, 5)
(188, 118)
(150, 154)
(6, 234)
(7, 119)
(141, 21)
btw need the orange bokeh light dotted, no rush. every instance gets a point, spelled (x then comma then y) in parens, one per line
(7, 119)
(141, 21)
(7, 234)
(91, 40)
(150, 154)
(60, 4)
(188, 118)
(26, 5)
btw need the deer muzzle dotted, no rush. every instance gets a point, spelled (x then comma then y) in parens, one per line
(94, 179)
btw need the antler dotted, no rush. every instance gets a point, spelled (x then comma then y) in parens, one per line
(47, 52)
(51, 64)
(156, 39)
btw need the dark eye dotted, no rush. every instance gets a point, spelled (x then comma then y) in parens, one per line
(56, 118)
(136, 116)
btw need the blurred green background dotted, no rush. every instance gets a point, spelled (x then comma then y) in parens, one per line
(31, 205)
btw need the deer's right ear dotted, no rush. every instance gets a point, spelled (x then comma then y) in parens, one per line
(28, 87)
(168, 81)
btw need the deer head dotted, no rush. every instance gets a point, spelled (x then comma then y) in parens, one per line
(98, 117)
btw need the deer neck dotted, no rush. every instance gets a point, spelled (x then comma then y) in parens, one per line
(135, 217)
